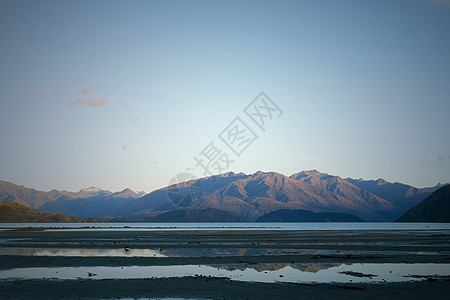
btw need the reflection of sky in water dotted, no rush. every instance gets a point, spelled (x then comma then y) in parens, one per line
(289, 273)
(81, 252)
(183, 252)
(187, 252)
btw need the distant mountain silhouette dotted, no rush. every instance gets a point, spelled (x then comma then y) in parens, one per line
(197, 215)
(300, 215)
(89, 202)
(254, 195)
(401, 195)
(435, 208)
(24, 196)
(16, 213)
(187, 215)
(434, 188)
(246, 196)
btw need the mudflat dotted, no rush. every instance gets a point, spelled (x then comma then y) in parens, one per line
(20, 250)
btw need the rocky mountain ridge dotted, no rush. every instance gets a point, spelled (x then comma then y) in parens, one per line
(244, 196)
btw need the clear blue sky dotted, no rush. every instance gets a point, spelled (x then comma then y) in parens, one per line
(118, 94)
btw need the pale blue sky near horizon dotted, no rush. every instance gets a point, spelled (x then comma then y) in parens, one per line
(118, 94)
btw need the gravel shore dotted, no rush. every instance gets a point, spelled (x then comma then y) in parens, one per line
(278, 247)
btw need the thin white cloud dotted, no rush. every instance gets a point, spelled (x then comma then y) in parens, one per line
(95, 102)
(86, 91)
(98, 101)
(78, 102)
(45, 94)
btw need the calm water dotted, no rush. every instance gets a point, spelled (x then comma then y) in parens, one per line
(188, 252)
(235, 226)
(269, 273)
(258, 272)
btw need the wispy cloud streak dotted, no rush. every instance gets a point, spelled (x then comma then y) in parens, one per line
(85, 91)
(94, 102)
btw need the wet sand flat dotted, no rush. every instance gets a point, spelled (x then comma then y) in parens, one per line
(175, 247)
(205, 288)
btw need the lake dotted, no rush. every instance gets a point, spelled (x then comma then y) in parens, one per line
(131, 257)
(236, 226)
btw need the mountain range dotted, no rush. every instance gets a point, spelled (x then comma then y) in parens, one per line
(16, 213)
(88, 202)
(435, 208)
(300, 215)
(252, 196)
(185, 215)
(245, 197)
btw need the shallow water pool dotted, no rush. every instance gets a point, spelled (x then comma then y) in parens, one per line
(269, 273)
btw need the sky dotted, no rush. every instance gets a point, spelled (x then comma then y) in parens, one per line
(117, 94)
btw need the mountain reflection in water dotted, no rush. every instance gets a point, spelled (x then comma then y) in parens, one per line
(313, 268)
(296, 273)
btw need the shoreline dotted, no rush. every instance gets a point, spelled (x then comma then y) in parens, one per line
(11, 261)
(295, 247)
(215, 288)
